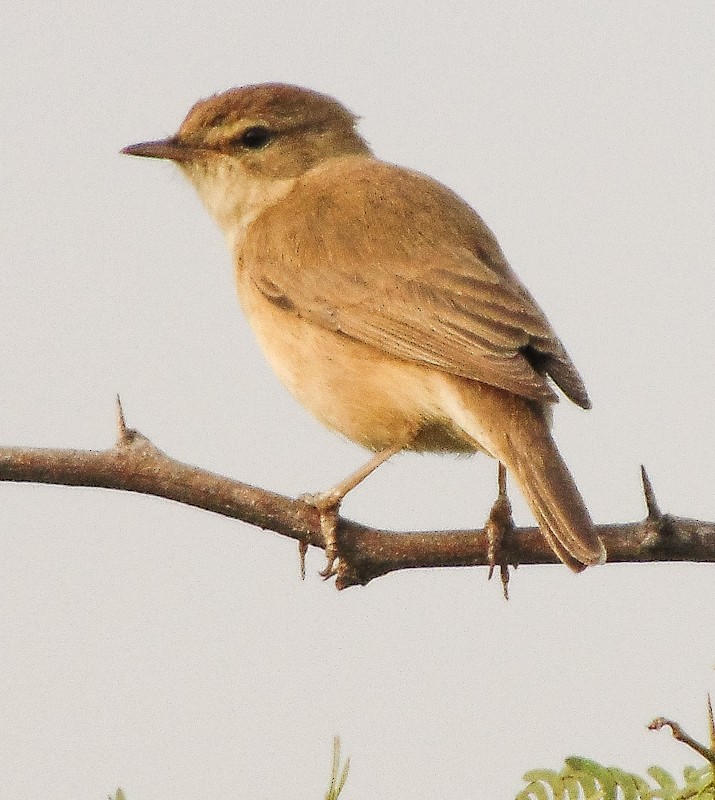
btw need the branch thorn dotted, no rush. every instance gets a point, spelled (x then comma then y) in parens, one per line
(121, 421)
(654, 512)
(125, 435)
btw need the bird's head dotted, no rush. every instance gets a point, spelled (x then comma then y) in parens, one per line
(243, 146)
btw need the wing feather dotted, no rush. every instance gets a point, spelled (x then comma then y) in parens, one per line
(396, 260)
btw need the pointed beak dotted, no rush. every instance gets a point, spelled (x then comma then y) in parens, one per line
(170, 148)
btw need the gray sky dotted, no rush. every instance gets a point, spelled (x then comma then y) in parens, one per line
(178, 654)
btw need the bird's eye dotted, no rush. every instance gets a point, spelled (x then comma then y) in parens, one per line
(254, 138)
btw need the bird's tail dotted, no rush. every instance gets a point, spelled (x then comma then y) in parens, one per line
(516, 431)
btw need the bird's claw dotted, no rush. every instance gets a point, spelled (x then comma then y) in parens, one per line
(328, 507)
(302, 552)
(330, 568)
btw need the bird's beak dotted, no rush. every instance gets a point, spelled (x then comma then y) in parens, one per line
(170, 148)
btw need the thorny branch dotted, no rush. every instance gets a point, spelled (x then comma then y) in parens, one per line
(134, 464)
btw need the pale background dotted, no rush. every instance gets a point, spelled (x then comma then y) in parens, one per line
(177, 653)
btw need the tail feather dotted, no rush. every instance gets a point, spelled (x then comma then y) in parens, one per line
(516, 431)
(551, 492)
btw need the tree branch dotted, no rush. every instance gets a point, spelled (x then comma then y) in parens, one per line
(708, 753)
(134, 464)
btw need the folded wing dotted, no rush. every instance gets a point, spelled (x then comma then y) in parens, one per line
(401, 263)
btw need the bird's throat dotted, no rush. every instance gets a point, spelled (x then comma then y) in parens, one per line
(233, 197)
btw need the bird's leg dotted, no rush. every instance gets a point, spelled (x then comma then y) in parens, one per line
(499, 525)
(328, 504)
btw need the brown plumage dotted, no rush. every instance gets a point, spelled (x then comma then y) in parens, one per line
(381, 299)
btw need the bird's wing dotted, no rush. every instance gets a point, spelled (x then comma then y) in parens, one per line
(398, 261)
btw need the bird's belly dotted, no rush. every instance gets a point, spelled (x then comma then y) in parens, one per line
(372, 398)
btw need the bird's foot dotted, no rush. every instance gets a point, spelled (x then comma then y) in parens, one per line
(498, 527)
(328, 506)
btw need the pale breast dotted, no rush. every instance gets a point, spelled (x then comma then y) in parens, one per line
(370, 397)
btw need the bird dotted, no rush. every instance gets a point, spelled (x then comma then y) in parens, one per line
(381, 299)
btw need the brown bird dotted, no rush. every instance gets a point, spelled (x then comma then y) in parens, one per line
(381, 299)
